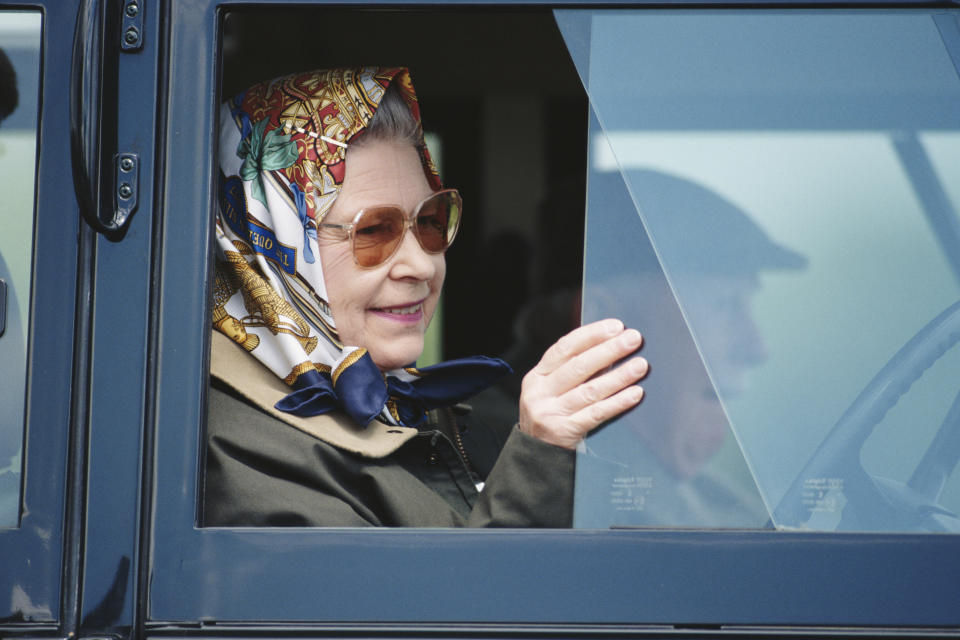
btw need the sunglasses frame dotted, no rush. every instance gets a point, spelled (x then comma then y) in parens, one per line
(408, 223)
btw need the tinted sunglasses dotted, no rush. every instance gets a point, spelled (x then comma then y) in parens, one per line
(376, 232)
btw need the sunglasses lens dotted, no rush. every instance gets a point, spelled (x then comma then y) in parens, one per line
(378, 232)
(438, 220)
(377, 235)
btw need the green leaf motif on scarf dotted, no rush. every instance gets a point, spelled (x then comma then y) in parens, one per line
(264, 153)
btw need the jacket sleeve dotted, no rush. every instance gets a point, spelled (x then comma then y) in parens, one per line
(531, 485)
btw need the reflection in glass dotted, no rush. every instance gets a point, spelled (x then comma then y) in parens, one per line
(842, 150)
(19, 80)
(674, 461)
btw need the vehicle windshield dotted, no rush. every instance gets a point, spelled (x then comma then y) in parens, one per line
(773, 201)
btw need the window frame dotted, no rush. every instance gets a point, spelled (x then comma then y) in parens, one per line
(337, 577)
(32, 553)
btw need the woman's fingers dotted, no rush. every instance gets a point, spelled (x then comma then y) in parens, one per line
(593, 415)
(576, 342)
(568, 393)
(584, 366)
(600, 388)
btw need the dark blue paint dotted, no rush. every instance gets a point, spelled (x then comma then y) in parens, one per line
(418, 576)
(30, 556)
(331, 575)
(710, 577)
(120, 361)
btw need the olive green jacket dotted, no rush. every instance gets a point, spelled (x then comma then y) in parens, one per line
(269, 468)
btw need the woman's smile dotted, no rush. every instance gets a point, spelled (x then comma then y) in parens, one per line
(407, 314)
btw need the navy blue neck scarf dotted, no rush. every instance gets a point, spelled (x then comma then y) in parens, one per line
(362, 391)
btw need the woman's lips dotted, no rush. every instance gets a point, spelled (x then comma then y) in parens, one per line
(407, 314)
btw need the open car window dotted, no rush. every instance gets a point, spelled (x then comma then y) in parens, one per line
(773, 200)
(490, 112)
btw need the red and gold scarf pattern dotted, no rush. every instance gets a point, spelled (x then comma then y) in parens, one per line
(282, 155)
(282, 163)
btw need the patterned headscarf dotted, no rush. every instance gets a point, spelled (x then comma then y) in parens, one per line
(282, 159)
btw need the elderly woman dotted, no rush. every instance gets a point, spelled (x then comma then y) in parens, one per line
(331, 235)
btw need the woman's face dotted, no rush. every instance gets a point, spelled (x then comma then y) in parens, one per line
(387, 308)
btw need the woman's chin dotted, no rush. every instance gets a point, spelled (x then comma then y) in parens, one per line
(400, 353)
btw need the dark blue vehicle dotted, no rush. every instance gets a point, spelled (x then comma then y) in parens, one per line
(772, 195)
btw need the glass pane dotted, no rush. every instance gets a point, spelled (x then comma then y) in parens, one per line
(19, 83)
(673, 461)
(798, 175)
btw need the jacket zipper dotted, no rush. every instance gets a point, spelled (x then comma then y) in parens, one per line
(458, 441)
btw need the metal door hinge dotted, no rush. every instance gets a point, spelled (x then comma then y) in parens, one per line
(131, 30)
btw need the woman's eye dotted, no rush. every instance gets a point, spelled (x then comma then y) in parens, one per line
(379, 229)
(371, 230)
(431, 223)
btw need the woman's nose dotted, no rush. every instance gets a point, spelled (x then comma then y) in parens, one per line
(411, 261)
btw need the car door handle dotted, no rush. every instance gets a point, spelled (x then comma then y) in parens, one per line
(105, 180)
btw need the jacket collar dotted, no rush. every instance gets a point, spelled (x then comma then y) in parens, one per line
(249, 379)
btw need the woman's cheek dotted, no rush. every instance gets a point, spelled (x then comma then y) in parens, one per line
(436, 287)
(337, 264)
(338, 273)
(334, 255)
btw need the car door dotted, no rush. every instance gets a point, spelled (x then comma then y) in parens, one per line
(78, 154)
(107, 316)
(663, 579)
(38, 258)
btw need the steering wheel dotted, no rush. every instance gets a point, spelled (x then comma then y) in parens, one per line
(872, 503)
